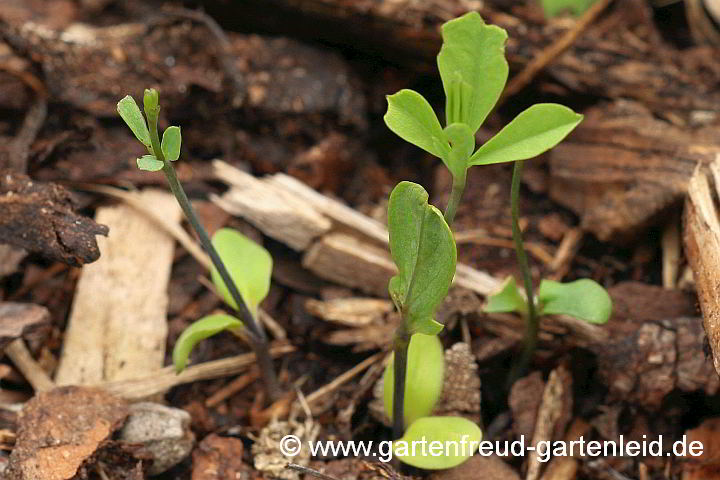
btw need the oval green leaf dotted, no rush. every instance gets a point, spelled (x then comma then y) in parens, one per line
(584, 299)
(423, 380)
(473, 69)
(440, 442)
(508, 299)
(532, 132)
(200, 330)
(412, 118)
(171, 141)
(130, 113)
(149, 163)
(423, 248)
(249, 265)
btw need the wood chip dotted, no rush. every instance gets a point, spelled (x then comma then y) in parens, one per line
(524, 401)
(274, 211)
(118, 325)
(59, 430)
(40, 217)
(350, 312)
(18, 319)
(346, 260)
(352, 248)
(705, 466)
(701, 235)
(478, 466)
(555, 404)
(623, 167)
(218, 458)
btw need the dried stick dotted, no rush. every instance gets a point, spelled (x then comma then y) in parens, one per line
(345, 377)
(31, 370)
(166, 378)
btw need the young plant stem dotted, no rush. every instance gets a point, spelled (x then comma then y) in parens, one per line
(458, 187)
(531, 320)
(400, 349)
(256, 335)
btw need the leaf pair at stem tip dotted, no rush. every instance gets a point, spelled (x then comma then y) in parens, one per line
(171, 139)
(474, 71)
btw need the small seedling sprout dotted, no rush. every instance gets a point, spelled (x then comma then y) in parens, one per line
(160, 157)
(474, 71)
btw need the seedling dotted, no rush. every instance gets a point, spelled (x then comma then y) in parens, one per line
(250, 267)
(240, 270)
(474, 71)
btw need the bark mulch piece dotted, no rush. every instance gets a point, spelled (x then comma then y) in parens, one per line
(40, 217)
(59, 430)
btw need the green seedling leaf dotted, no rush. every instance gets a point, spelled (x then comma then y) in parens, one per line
(553, 8)
(508, 299)
(130, 113)
(441, 442)
(584, 299)
(423, 248)
(423, 380)
(171, 141)
(200, 330)
(412, 118)
(149, 163)
(249, 265)
(473, 69)
(534, 131)
(462, 144)
(151, 100)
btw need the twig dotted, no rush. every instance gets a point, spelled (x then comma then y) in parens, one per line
(33, 372)
(565, 253)
(342, 379)
(553, 51)
(478, 236)
(271, 324)
(232, 388)
(166, 378)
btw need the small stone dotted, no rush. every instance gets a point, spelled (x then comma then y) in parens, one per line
(163, 431)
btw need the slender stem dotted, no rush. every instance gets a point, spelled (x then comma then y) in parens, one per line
(400, 348)
(458, 187)
(258, 339)
(531, 320)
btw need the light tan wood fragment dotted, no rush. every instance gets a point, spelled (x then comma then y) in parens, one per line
(365, 233)
(351, 312)
(566, 468)
(118, 326)
(551, 408)
(671, 253)
(702, 246)
(348, 261)
(277, 213)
